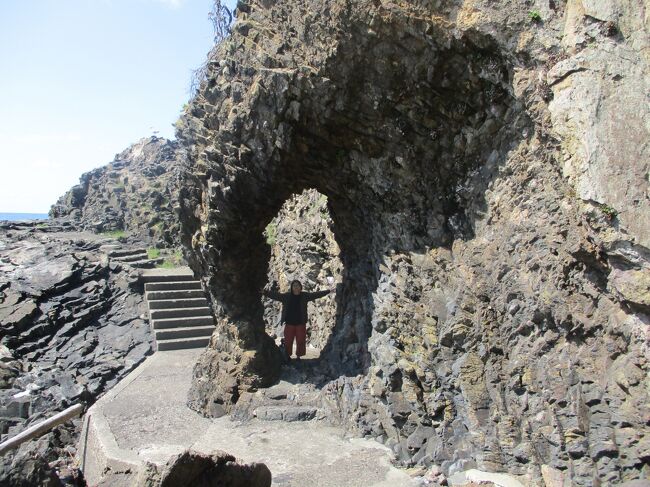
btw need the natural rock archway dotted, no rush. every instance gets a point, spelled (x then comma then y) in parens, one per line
(390, 138)
(477, 303)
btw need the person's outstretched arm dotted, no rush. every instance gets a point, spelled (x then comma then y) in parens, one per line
(317, 294)
(275, 295)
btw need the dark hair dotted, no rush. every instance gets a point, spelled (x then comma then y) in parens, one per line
(296, 281)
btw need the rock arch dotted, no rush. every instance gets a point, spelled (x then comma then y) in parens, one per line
(303, 247)
(391, 121)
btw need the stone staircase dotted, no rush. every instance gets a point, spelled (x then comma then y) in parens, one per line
(134, 257)
(178, 311)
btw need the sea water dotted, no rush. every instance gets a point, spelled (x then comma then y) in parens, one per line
(23, 216)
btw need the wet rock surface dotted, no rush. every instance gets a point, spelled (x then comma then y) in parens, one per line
(492, 312)
(136, 192)
(73, 324)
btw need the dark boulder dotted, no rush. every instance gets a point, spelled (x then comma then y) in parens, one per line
(194, 469)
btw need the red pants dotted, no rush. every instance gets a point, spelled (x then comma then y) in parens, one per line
(299, 332)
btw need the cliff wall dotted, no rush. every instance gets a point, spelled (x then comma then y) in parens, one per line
(486, 172)
(137, 192)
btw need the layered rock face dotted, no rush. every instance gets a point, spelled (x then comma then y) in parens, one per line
(493, 309)
(72, 325)
(136, 192)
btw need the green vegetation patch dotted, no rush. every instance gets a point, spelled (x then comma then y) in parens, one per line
(535, 16)
(609, 212)
(153, 253)
(172, 260)
(271, 233)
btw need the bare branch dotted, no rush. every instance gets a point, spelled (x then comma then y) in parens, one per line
(221, 18)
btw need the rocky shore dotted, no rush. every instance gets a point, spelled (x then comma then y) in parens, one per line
(73, 324)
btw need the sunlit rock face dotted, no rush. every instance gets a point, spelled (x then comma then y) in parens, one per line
(136, 192)
(487, 316)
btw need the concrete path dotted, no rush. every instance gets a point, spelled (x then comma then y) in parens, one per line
(144, 418)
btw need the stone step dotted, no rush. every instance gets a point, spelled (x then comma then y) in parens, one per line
(191, 293)
(164, 275)
(165, 278)
(126, 252)
(106, 248)
(182, 343)
(145, 263)
(286, 413)
(158, 314)
(185, 332)
(172, 285)
(186, 321)
(178, 303)
(132, 257)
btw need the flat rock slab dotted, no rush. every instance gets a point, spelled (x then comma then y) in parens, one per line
(176, 271)
(477, 477)
(145, 418)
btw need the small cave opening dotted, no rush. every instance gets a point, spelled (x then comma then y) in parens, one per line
(303, 247)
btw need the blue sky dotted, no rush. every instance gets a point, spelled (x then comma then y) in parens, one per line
(83, 79)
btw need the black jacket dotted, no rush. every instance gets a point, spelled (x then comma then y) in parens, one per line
(305, 298)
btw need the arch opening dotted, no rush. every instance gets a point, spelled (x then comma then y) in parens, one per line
(402, 133)
(303, 247)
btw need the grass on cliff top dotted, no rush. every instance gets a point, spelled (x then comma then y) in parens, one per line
(271, 233)
(171, 261)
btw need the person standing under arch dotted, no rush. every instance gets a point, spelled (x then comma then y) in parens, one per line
(294, 315)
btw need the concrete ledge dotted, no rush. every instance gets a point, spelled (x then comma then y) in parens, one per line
(145, 419)
(102, 459)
